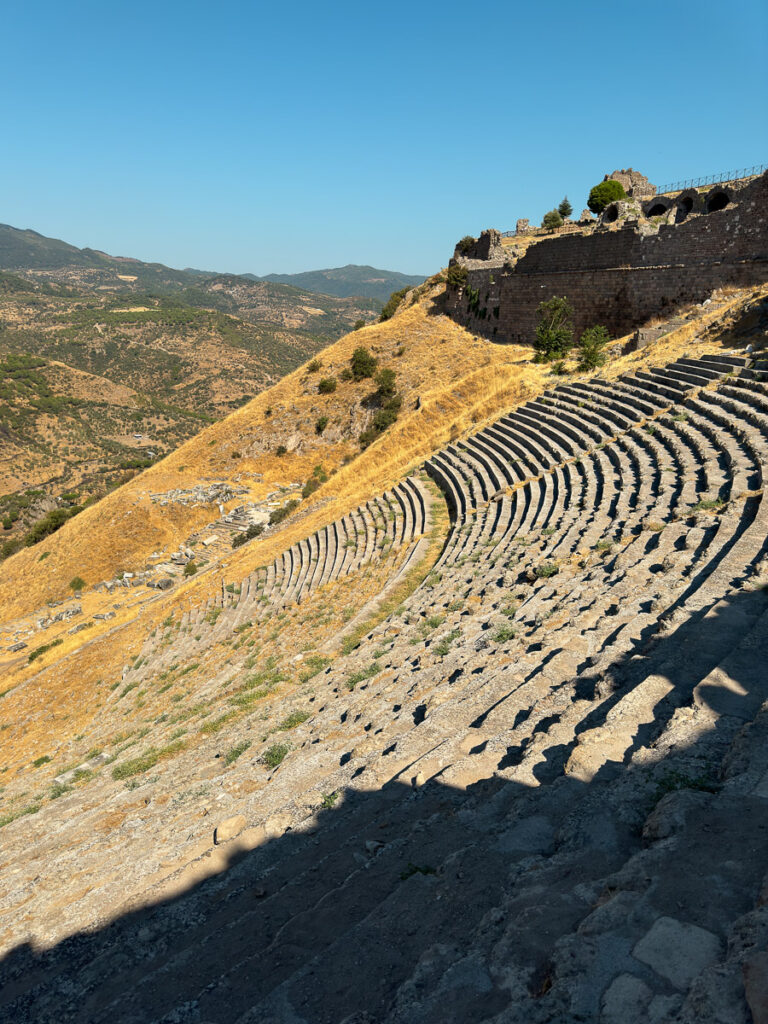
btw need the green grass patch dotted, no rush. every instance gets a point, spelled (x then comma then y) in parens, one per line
(275, 755)
(234, 752)
(295, 718)
(147, 760)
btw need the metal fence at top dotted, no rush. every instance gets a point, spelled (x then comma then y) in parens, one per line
(712, 179)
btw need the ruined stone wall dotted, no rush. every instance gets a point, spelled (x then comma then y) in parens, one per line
(620, 278)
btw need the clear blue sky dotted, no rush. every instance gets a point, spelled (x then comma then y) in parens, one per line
(283, 137)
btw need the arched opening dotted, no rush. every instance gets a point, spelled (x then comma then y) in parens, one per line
(684, 207)
(611, 213)
(657, 210)
(717, 201)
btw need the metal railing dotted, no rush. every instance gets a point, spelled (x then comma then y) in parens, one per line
(712, 179)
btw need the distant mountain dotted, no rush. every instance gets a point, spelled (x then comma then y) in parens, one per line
(349, 280)
(270, 305)
(26, 250)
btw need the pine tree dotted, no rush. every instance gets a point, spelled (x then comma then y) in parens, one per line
(554, 332)
(591, 345)
(565, 209)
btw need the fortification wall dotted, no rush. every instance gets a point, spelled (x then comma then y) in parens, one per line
(620, 278)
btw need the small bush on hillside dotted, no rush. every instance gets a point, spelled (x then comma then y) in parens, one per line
(362, 364)
(281, 450)
(604, 193)
(456, 276)
(386, 382)
(465, 244)
(591, 345)
(390, 308)
(310, 487)
(359, 324)
(254, 530)
(9, 547)
(554, 332)
(50, 523)
(314, 366)
(320, 424)
(77, 583)
(190, 569)
(277, 515)
(326, 386)
(552, 220)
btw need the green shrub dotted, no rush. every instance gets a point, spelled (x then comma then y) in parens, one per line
(50, 523)
(552, 220)
(565, 209)
(543, 572)
(591, 345)
(10, 547)
(254, 530)
(604, 193)
(320, 424)
(504, 634)
(362, 364)
(281, 450)
(39, 651)
(314, 366)
(277, 515)
(465, 244)
(385, 380)
(275, 755)
(456, 276)
(77, 583)
(554, 331)
(359, 324)
(390, 309)
(326, 386)
(310, 487)
(190, 569)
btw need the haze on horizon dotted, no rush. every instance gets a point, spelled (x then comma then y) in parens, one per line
(255, 139)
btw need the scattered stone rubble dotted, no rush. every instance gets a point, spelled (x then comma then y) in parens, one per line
(215, 493)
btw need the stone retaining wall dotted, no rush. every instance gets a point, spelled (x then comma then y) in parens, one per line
(620, 278)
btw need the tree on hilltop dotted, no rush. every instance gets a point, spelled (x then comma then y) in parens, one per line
(552, 220)
(604, 193)
(565, 209)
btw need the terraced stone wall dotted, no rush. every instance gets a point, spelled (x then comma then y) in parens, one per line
(620, 278)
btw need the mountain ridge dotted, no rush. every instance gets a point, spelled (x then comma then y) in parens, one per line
(24, 249)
